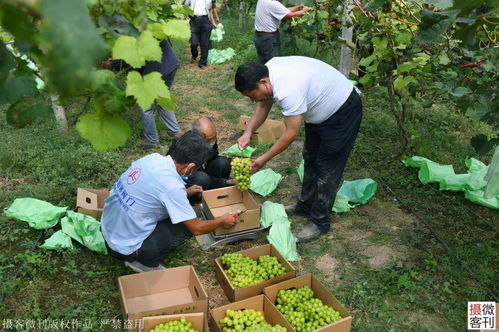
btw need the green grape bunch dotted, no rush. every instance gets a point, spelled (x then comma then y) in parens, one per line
(179, 325)
(248, 320)
(303, 311)
(241, 168)
(244, 271)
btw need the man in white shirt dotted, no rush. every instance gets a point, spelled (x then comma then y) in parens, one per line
(201, 23)
(312, 91)
(147, 213)
(268, 16)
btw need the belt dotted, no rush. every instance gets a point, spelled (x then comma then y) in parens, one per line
(266, 32)
(200, 15)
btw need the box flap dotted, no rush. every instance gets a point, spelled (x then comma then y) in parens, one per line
(92, 199)
(222, 197)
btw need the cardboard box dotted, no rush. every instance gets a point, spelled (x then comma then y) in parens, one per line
(260, 303)
(320, 292)
(91, 201)
(269, 131)
(219, 201)
(164, 292)
(198, 321)
(236, 294)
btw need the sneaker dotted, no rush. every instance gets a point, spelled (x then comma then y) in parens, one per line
(295, 210)
(139, 267)
(201, 66)
(309, 233)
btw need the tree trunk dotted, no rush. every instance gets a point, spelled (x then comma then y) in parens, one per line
(346, 35)
(241, 13)
(59, 112)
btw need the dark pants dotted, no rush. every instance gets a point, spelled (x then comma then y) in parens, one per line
(214, 174)
(200, 36)
(267, 45)
(325, 152)
(163, 240)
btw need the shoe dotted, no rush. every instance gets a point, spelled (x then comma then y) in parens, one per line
(149, 145)
(201, 66)
(139, 267)
(309, 233)
(295, 210)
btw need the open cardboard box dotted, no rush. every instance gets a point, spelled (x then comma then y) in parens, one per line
(269, 131)
(320, 292)
(219, 201)
(198, 321)
(172, 291)
(91, 201)
(236, 294)
(260, 303)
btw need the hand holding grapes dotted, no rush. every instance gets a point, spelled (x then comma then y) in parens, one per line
(257, 164)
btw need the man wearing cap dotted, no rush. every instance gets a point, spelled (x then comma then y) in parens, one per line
(314, 92)
(268, 16)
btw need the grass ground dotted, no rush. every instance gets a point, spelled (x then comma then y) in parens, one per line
(409, 260)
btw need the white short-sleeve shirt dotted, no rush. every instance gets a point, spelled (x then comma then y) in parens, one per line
(149, 191)
(268, 15)
(307, 86)
(200, 7)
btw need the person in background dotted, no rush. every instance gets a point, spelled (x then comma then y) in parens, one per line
(168, 68)
(268, 16)
(147, 213)
(215, 8)
(307, 90)
(201, 23)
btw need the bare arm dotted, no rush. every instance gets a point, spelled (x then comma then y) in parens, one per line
(262, 109)
(297, 11)
(198, 226)
(293, 124)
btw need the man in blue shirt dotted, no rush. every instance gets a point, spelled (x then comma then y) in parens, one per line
(147, 213)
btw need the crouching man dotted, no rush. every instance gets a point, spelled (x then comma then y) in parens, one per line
(147, 213)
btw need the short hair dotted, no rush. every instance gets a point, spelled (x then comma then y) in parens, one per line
(195, 123)
(248, 76)
(190, 148)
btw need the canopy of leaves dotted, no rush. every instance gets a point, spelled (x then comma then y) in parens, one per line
(146, 89)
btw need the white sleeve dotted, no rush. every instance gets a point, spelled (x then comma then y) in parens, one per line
(278, 10)
(177, 205)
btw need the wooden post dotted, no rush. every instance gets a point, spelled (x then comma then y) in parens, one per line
(59, 112)
(346, 35)
(241, 13)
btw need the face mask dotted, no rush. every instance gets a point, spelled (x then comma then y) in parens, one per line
(184, 177)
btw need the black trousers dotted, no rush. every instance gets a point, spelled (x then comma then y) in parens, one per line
(200, 36)
(214, 174)
(158, 245)
(268, 45)
(325, 152)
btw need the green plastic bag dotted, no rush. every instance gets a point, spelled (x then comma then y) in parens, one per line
(265, 181)
(236, 152)
(58, 240)
(359, 191)
(85, 230)
(216, 57)
(301, 170)
(218, 33)
(282, 238)
(272, 212)
(38, 214)
(473, 183)
(492, 177)
(341, 204)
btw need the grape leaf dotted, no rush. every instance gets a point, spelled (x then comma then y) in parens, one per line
(433, 24)
(135, 52)
(442, 4)
(15, 21)
(71, 43)
(401, 82)
(26, 111)
(168, 103)
(443, 59)
(16, 88)
(117, 25)
(7, 63)
(104, 131)
(101, 77)
(460, 91)
(146, 89)
(177, 29)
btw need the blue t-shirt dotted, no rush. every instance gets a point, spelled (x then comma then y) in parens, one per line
(149, 191)
(168, 64)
